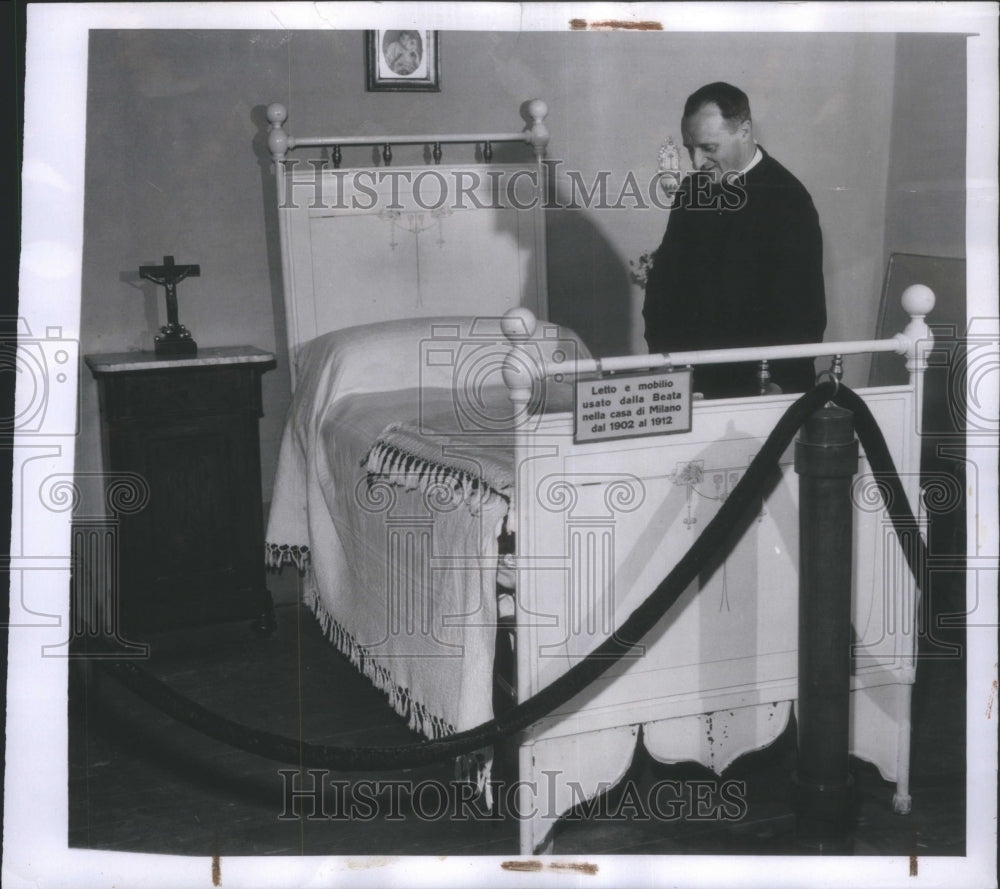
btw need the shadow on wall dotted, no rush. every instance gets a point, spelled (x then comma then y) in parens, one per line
(589, 287)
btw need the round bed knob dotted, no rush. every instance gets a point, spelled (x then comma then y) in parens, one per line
(918, 300)
(277, 138)
(277, 114)
(537, 109)
(518, 323)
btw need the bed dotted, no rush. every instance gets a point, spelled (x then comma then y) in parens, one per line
(434, 421)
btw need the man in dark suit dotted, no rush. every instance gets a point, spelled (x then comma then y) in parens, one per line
(741, 263)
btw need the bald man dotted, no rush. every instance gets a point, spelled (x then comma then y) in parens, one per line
(741, 263)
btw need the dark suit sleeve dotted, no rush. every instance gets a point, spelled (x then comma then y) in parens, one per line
(655, 305)
(664, 310)
(798, 294)
(797, 301)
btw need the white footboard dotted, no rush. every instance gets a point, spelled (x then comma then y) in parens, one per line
(600, 524)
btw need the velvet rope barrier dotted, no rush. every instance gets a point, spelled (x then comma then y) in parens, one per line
(744, 496)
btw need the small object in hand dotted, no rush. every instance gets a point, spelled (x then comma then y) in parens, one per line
(669, 167)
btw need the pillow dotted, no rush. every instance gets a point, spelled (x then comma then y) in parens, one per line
(445, 352)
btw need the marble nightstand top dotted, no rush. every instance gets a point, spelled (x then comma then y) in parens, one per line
(117, 362)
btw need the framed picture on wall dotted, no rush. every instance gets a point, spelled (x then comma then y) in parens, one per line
(402, 60)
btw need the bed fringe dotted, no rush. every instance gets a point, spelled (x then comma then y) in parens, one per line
(278, 554)
(472, 768)
(398, 466)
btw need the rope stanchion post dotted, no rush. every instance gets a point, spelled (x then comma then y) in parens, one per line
(826, 459)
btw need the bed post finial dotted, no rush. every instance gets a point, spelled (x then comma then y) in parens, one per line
(917, 300)
(277, 138)
(538, 135)
(520, 366)
(518, 323)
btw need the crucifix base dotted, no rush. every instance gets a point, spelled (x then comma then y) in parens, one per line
(174, 341)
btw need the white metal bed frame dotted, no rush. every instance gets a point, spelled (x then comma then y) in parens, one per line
(599, 524)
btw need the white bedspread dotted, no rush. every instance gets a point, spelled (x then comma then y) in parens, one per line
(399, 567)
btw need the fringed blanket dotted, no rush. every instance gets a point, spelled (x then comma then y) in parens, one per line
(401, 564)
(395, 525)
(430, 461)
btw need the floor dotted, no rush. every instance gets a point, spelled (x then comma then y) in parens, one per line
(141, 782)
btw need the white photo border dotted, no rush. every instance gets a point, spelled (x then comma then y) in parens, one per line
(36, 851)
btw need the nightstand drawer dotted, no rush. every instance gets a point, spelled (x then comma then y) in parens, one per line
(186, 391)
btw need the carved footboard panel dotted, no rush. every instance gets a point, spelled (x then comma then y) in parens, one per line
(599, 525)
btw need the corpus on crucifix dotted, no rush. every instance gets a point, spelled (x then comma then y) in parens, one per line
(174, 340)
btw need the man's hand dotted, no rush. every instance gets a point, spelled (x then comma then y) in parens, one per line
(670, 183)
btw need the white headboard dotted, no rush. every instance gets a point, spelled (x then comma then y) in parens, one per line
(380, 243)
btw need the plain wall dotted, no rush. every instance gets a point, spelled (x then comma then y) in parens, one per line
(176, 164)
(925, 198)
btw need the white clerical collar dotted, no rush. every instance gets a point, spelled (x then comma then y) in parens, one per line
(758, 156)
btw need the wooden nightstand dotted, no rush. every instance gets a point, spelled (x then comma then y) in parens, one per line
(188, 426)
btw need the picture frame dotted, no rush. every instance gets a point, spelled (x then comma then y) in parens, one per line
(402, 60)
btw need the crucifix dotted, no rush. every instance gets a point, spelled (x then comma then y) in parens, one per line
(174, 340)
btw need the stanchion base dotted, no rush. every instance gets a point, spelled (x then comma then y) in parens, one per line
(823, 818)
